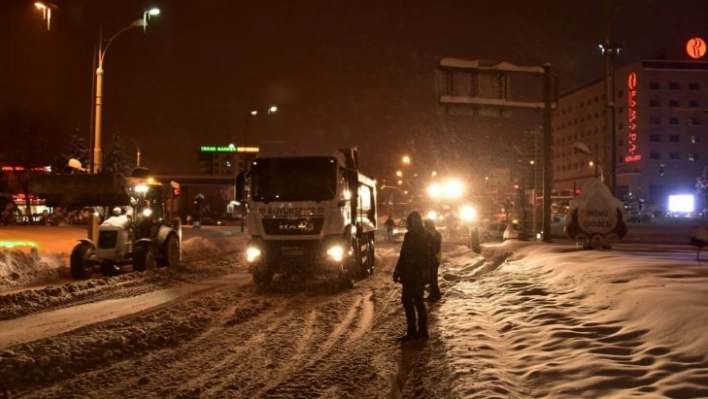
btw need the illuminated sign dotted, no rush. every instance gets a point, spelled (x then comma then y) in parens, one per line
(681, 203)
(228, 148)
(632, 154)
(208, 148)
(696, 48)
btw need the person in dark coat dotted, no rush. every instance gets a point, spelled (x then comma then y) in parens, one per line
(413, 272)
(389, 228)
(434, 294)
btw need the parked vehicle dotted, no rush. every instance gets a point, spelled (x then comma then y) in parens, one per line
(511, 232)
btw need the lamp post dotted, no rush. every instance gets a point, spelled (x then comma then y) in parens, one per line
(137, 152)
(138, 23)
(46, 9)
(244, 129)
(269, 111)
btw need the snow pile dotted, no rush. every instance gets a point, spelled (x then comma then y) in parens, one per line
(21, 268)
(554, 321)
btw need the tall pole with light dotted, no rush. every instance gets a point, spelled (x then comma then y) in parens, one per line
(246, 150)
(610, 49)
(137, 152)
(46, 9)
(98, 103)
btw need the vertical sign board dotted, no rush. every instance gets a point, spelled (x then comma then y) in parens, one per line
(632, 134)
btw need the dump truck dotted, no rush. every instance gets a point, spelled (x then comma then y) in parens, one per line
(309, 213)
(139, 226)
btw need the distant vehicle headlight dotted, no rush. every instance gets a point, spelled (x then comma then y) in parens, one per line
(468, 213)
(336, 253)
(147, 212)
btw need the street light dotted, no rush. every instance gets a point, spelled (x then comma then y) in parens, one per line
(46, 9)
(138, 23)
(244, 129)
(137, 153)
(583, 148)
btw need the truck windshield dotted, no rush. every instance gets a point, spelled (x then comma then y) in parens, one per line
(294, 179)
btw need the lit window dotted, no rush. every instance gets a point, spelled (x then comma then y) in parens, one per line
(692, 157)
(694, 139)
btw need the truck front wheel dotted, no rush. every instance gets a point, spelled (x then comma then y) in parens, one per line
(262, 278)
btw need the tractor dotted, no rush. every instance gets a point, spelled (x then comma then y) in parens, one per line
(141, 230)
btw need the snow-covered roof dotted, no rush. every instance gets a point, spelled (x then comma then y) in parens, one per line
(489, 65)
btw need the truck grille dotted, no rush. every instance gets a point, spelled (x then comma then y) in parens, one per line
(293, 227)
(107, 239)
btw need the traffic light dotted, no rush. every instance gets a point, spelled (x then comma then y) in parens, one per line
(662, 169)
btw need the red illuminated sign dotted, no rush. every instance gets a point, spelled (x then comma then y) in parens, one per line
(696, 48)
(632, 154)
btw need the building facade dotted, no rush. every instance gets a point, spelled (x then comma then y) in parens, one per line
(225, 160)
(661, 132)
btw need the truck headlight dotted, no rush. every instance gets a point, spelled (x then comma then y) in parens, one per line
(252, 253)
(336, 253)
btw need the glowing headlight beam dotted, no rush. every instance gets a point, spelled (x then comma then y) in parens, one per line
(252, 254)
(336, 253)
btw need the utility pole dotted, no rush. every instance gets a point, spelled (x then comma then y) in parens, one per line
(609, 50)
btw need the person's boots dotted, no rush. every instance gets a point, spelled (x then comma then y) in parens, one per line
(410, 326)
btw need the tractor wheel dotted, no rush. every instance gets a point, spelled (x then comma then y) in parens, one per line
(170, 252)
(81, 269)
(144, 257)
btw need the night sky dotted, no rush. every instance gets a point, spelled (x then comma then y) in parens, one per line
(342, 73)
